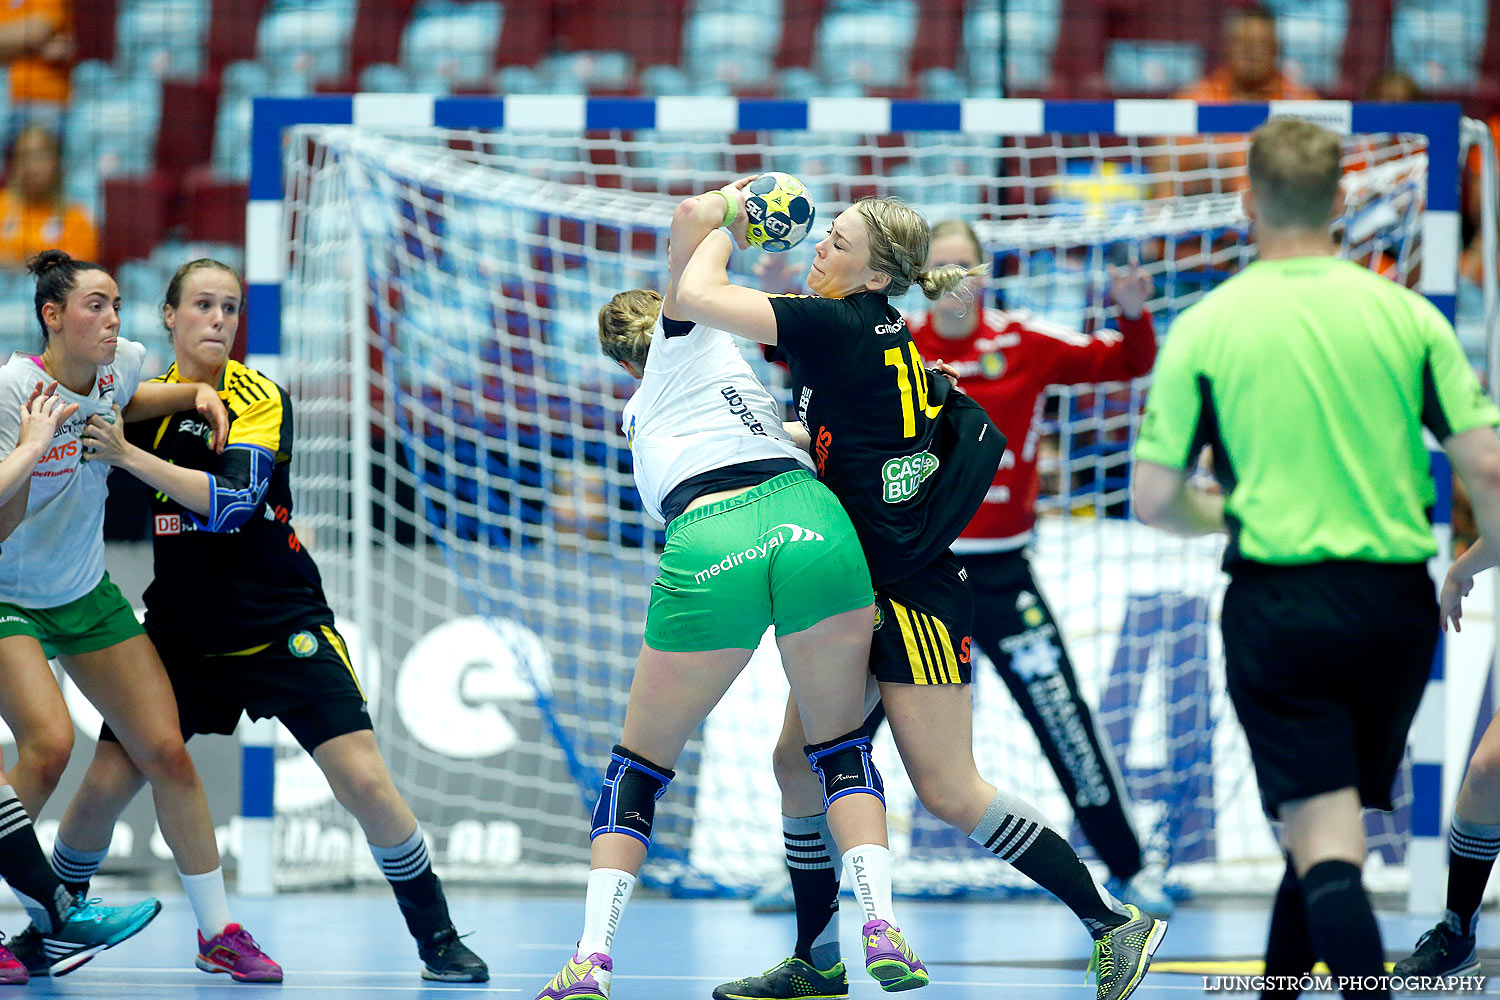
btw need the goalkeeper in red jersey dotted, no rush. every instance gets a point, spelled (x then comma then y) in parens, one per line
(1005, 360)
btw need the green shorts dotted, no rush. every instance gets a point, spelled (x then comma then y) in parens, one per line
(100, 618)
(783, 553)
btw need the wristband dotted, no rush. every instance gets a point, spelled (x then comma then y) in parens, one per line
(731, 208)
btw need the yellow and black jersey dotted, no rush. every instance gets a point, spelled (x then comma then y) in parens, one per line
(238, 576)
(906, 454)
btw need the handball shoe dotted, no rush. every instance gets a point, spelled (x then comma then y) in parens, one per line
(1122, 955)
(581, 979)
(1442, 951)
(234, 951)
(90, 928)
(447, 959)
(890, 959)
(793, 979)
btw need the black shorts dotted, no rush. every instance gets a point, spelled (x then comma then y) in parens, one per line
(305, 680)
(922, 626)
(1326, 664)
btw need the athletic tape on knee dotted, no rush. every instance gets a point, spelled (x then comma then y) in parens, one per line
(845, 768)
(627, 802)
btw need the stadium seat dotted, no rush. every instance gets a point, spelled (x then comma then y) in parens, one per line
(376, 35)
(1439, 42)
(1152, 67)
(385, 78)
(1311, 35)
(94, 30)
(1030, 30)
(231, 31)
(665, 81)
(868, 44)
(941, 84)
(650, 32)
(595, 71)
(731, 47)
(310, 39)
(187, 142)
(518, 80)
(162, 38)
(215, 208)
(114, 134)
(135, 217)
(454, 41)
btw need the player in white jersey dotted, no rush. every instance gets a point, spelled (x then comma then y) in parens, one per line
(753, 540)
(57, 600)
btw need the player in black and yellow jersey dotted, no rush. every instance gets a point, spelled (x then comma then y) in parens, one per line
(237, 610)
(875, 423)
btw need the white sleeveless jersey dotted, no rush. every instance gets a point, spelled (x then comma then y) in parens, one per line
(699, 408)
(56, 554)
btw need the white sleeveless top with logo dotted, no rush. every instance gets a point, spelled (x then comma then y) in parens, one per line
(699, 408)
(56, 555)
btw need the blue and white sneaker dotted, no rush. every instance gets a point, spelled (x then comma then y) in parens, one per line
(92, 927)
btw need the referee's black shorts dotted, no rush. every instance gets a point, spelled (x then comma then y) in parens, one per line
(1326, 664)
(305, 679)
(923, 625)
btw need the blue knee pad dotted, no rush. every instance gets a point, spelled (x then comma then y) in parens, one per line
(845, 767)
(627, 802)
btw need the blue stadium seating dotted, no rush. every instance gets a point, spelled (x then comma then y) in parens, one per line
(452, 41)
(162, 38)
(1439, 42)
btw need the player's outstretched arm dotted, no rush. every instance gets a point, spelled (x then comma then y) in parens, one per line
(1162, 497)
(160, 399)
(706, 295)
(103, 440)
(693, 220)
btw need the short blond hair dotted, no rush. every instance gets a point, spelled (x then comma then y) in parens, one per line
(625, 326)
(899, 241)
(1295, 167)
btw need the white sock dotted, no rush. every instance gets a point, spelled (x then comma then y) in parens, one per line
(210, 905)
(609, 891)
(869, 869)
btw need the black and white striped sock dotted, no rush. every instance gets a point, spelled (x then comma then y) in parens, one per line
(1014, 831)
(1472, 849)
(813, 861)
(76, 868)
(408, 868)
(23, 865)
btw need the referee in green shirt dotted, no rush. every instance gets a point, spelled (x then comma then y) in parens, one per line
(1310, 379)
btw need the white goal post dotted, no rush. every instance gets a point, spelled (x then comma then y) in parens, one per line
(423, 273)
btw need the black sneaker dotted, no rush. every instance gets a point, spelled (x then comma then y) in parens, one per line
(1442, 951)
(793, 979)
(27, 947)
(448, 960)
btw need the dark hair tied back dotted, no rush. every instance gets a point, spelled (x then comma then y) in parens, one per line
(56, 276)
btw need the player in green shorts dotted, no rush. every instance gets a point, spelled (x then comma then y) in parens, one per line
(754, 541)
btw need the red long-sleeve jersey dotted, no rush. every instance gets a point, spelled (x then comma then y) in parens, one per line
(1004, 365)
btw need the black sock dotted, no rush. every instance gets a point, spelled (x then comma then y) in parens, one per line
(813, 862)
(1014, 831)
(1344, 932)
(1289, 948)
(409, 870)
(23, 865)
(1471, 854)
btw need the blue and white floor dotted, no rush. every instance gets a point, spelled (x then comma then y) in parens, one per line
(353, 944)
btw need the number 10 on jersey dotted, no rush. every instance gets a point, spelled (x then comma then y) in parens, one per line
(904, 378)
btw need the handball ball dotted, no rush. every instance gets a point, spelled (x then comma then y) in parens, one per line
(780, 211)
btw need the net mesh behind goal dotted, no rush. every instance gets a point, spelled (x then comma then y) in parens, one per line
(463, 482)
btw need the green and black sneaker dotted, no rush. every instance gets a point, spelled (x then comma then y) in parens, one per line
(1122, 956)
(793, 979)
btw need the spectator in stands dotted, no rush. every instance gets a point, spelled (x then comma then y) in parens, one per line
(33, 214)
(1394, 87)
(36, 42)
(1251, 69)
(1251, 72)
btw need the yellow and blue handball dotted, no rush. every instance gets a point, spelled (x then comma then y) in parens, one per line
(780, 211)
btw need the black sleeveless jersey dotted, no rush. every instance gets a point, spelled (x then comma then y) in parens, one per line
(907, 455)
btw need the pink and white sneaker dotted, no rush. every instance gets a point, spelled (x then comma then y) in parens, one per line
(12, 969)
(234, 951)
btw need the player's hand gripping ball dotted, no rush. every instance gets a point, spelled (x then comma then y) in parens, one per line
(780, 211)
